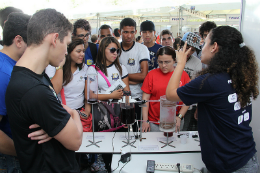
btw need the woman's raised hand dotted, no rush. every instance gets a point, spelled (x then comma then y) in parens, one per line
(181, 54)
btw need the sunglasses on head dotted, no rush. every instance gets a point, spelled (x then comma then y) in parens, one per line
(112, 50)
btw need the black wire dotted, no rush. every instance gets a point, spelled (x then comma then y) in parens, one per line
(117, 166)
(178, 166)
(123, 166)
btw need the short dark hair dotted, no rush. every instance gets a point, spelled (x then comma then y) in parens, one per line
(116, 32)
(104, 27)
(206, 26)
(4, 12)
(178, 41)
(164, 32)
(147, 26)
(16, 24)
(138, 38)
(94, 38)
(45, 22)
(81, 23)
(166, 50)
(127, 22)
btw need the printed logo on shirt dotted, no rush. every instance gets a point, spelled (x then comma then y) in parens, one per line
(115, 76)
(80, 79)
(237, 106)
(232, 98)
(246, 116)
(152, 53)
(152, 63)
(131, 62)
(54, 93)
(229, 81)
(240, 119)
(89, 62)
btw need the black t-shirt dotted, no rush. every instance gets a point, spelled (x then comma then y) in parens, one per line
(30, 99)
(226, 137)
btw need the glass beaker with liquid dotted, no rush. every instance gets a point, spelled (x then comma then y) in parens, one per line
(127, 113)
(167, 115)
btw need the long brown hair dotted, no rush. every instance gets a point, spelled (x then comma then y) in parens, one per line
(236, 60)
(101, 56)
(67, 74)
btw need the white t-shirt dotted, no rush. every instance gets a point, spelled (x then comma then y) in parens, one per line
(50, 71)
(112, 75)
(74, 90)
(193, 66)
(131, 59)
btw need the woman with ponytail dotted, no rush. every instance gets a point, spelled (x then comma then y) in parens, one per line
(223, 91)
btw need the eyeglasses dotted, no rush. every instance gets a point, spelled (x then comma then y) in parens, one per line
(82, 35)
(112, 50)
(164, 39)
(165, 62)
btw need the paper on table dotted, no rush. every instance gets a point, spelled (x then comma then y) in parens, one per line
(148, 147)
(123, 137)
(96, 137)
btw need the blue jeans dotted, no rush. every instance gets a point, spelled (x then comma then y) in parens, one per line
(9, 164)
(252, 166)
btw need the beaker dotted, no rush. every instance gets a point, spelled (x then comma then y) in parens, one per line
(167, 115)
(127, 112)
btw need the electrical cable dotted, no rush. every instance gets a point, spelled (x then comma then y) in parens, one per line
(198, 170)
(123, 166)
(178, 166)
(117, 166)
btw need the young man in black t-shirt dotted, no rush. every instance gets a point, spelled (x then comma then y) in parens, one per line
(31, 99)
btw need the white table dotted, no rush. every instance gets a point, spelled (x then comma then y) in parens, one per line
(139, 161)
(149, 145)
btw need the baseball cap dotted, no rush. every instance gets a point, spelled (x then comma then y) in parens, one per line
(147, 26)
(192, 39)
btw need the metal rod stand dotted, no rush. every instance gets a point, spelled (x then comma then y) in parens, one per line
(167, 142)
(93, 142)
(128, 140)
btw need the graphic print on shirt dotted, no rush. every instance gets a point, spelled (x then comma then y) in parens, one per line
(232, 98)
(237, 106)
(152, 62)
(115, 76)
(54, 93)
(131, 62)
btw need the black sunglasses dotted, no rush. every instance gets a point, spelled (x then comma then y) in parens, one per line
(112, 50)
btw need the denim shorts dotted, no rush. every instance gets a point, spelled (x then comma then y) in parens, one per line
(251, 166)
(9, 164)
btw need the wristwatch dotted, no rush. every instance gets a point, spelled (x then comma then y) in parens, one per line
(60, 67)
(180, 116)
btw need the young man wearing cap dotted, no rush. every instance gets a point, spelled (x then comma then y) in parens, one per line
(30, 98)
(147, 31)
(166, 38)
(192, 66)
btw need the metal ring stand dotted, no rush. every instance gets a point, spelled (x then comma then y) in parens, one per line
(128, 140)
(167, 143)
(93, 142)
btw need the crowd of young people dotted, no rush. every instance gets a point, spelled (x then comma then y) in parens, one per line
(40, 129)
